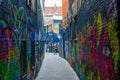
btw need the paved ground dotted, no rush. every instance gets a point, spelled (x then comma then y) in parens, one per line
(56, 68)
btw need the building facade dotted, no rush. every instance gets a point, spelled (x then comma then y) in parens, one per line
(93, 47)
(52, 12)
(19, 39)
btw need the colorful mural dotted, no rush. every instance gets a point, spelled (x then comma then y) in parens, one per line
(16, 32)
(8, 52)
(95, 54)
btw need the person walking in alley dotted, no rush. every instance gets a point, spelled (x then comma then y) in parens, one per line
(48, 47)
(55, 48)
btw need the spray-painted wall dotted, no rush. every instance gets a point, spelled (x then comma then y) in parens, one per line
(9, 66)
(95, 53)
(17, 33)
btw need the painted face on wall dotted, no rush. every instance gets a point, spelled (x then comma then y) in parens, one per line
(106, 51)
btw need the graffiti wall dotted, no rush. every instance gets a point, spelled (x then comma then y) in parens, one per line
(8, 55)
(9, 66)
(17, 35)
(95, 54)
(101, 55)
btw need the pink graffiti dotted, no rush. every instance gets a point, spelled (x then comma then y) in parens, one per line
(105, 62)
(100, 56)
(6, 44)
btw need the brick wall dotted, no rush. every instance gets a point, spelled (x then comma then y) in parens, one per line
(95, 54)
(18, 25)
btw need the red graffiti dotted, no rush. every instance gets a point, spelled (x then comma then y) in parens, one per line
(101, 59)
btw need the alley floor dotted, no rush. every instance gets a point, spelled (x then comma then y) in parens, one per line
(56, 68)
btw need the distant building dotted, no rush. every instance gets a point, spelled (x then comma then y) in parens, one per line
(65, 7)
(52, 12)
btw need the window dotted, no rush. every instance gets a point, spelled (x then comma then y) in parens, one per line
(32, 4)
(29, 3)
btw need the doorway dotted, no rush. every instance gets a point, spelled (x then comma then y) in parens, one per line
(33, 58)
(23, 60)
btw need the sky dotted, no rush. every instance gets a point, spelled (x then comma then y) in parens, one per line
(51, 3)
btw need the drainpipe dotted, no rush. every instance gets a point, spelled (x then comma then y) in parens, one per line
(64, 43)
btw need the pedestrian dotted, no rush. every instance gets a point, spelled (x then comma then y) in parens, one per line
(55, 48)
(48, 47)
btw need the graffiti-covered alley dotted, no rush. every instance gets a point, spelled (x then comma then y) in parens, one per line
(59, 40)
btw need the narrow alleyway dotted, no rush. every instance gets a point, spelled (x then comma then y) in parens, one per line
(56, 68)
(85, 34)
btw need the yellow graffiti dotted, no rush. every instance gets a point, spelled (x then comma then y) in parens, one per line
(83, 68)
(88, 25)
(11, 51)
(99, 23)
(89, 31)
(82, 39)
(90, 76)
(17, 23)
(29, 70)
(85, 27)
(98, 76)
(114, 42)
(15, 9)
